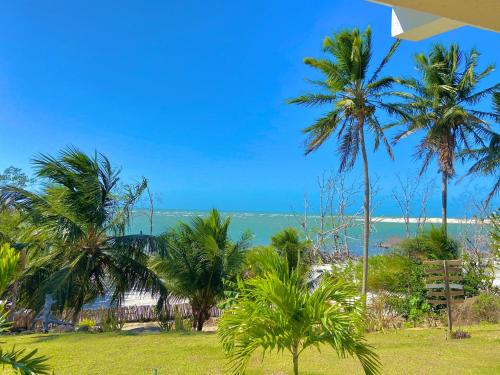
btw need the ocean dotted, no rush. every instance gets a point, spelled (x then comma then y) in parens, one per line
(263, 225)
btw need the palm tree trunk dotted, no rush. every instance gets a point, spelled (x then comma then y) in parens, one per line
(295, 353)
(366, 209)
(444, 196)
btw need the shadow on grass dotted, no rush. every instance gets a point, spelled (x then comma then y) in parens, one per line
(40, 337)
(45, 337)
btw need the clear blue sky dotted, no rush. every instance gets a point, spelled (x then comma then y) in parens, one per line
(191, 94)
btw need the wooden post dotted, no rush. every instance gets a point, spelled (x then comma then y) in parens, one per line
(448, 297)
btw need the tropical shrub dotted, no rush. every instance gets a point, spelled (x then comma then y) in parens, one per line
(21, 361)
(9, 259)
(387, 273)
(486, 308)
(111, 322)
(478, 275)
(86, 325)
(288, 243)
(173, 322)
(401, 280)
(431, 244)
(276, 311)
(198, 259)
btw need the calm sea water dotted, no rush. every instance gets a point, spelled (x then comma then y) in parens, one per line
(263, 225)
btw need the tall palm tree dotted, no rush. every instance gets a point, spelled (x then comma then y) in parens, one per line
(442, 107)
(275, 310)
(198, 260)
(353, 97)
(83, 215)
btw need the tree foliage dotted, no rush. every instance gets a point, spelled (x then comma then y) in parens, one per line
(442, 107)
(288, 243)
(199, 259)
(431, 244)
(82, 215)
(21, 361)
(276, 311)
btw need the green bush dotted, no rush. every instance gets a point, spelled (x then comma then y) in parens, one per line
(486, 308)
(479, 273)
(167, 322)
(387, 273)
(111, 322)
(431, 244)
(86, 325)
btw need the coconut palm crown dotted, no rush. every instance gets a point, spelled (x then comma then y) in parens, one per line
(82, 214)
(443, 109)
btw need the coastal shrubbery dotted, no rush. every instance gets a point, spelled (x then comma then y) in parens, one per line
(21, 361)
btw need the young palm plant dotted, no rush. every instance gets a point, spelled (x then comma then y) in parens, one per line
(19, 360)
(354, 97)
(83, 217)
(288, 243)
(276, 311)
(442, 108)
(198, 260)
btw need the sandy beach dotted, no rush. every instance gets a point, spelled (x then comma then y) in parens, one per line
(429, 220)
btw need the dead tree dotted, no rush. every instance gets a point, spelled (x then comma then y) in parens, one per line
(404, 195)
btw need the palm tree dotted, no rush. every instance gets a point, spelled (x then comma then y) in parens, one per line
(442, 108)
(198, 260)
(21, 361)
(289, 244)
(276, 311)
(83, 215)
(354, 97)
(487, 159)
(487, 162)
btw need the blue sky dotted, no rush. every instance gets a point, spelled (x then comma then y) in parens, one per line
(191, 94)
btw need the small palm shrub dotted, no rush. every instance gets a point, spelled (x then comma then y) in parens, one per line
(198, 260)
(431, 244)
(288, 243)
(276, 311)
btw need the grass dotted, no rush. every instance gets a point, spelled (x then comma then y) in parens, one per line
(409, 351)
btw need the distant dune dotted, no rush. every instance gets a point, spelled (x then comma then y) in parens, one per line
(430, 220)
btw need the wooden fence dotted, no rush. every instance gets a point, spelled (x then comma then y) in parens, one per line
(126, 314)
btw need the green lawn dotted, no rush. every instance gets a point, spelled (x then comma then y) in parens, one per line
(408, 351)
